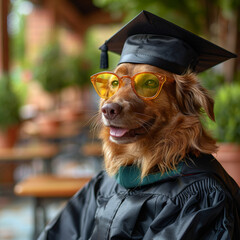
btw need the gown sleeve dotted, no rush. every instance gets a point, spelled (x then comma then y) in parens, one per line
(203, 210)
(76, 220)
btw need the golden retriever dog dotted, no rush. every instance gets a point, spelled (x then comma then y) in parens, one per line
(161, 181)
(155, 134)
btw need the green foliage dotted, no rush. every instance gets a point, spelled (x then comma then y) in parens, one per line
(187, 13)
(10, 104)
(211, 80)
(227, 114)
(92, 52)
(195, 16)
(17, 42)
(56, 70)
(228, 7)
(19, 9)
(78, 69)
(50, 70)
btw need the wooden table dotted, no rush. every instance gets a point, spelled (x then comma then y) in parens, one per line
(28, 152)
(49, 186)
(42, 187)
(9, 157)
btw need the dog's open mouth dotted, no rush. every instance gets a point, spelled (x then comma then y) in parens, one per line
(128, 135)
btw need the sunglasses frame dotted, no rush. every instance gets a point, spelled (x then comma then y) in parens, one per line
(120, 79)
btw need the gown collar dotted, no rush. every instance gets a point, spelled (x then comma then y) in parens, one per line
(130, 176)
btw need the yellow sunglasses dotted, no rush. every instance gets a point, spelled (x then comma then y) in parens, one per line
(146, 85)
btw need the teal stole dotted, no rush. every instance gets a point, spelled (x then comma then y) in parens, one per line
(130, 176)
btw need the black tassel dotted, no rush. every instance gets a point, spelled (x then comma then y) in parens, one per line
(104, 56)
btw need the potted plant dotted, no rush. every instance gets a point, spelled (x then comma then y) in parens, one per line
(78, 69)
(10, 104)
(50, 71)
(227, 128)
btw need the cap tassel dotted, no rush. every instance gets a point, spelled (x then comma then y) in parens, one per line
(104, 57)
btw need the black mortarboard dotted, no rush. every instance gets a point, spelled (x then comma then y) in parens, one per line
(152, 40)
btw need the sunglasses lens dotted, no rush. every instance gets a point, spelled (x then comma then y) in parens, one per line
(106, 84)
(146, 85)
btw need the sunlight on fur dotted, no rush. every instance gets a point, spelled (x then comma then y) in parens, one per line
(175, 132)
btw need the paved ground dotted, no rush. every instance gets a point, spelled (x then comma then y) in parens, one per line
(16, 217)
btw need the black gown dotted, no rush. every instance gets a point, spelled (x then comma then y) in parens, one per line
(201, 201)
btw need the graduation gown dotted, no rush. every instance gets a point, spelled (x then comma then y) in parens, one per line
(198, 201)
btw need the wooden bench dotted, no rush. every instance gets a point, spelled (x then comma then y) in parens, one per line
(42, 187)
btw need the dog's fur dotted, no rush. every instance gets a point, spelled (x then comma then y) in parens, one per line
(176, 131)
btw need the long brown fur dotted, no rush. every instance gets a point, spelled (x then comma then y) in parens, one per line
(176, 132)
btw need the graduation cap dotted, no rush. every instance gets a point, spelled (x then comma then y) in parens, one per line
(152, 40)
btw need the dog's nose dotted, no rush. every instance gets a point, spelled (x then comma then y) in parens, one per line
(111, 110)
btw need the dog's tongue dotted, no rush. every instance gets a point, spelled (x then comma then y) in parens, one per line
(118, 132)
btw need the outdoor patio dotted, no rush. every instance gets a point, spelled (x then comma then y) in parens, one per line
(49, 123)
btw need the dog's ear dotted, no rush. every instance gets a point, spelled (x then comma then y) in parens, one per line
(192, 97)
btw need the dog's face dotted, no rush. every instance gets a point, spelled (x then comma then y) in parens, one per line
(130, 118)
(158, 132)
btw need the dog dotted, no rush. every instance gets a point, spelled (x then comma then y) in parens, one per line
(155, 134)
(160, 179)
(148, 135)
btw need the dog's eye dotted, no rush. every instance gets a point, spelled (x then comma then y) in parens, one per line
(114, 84)
(151, 83)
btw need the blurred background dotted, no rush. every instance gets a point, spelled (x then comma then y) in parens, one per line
(48, 109)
